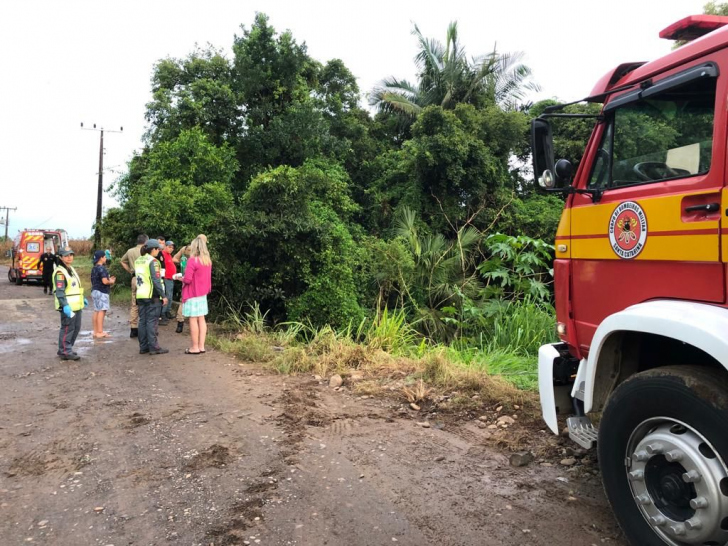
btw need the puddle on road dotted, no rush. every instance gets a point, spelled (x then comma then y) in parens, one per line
(10, 343)
(85, 341)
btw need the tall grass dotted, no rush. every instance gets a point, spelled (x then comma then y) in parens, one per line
(519, 327)
(83, 247)
(506, 347)
(389, 331)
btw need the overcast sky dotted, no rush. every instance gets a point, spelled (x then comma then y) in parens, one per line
(64, 62)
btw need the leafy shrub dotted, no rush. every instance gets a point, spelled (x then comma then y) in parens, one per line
(517, 267)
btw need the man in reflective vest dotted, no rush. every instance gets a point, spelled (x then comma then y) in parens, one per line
(69, 301)
(149, 292)
(127, 262)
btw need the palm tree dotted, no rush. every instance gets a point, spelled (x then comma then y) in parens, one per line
(446, 78)
(444, 270)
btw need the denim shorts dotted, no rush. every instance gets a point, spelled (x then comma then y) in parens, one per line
(101, 300)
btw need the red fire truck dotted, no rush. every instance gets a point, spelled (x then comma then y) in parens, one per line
(27, 249)
(640, 288)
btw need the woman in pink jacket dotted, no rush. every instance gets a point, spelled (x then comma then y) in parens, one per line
(197, 283)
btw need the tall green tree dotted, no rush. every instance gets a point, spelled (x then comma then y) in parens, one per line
(454, 170)
(297, 242)
(447, 77)
(180, 188)
(194, 92)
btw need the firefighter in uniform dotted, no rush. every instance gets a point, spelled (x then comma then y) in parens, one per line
(149, 298)
(69, 302)
(47, 261)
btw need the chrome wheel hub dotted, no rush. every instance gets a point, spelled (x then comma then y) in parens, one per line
(679, 483)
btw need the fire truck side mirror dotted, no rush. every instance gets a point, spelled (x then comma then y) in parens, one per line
(542, 149)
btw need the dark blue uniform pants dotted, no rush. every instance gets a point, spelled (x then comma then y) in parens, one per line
(149, 313)
(70, 327)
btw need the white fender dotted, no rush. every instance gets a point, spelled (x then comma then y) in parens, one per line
(546, 356)
(698, 324)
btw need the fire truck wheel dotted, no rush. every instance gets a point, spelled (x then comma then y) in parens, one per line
(662, 446)
(18, 278)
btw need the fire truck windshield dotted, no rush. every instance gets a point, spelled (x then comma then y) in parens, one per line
(667, 135)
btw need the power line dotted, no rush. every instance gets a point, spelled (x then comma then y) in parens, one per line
(97, 230)
(45, 221)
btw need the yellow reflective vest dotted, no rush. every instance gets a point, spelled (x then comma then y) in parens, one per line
(145, 285)
(73, 290)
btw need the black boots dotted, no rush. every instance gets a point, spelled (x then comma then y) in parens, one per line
(134, 332)
(72, 356)
(179, 327)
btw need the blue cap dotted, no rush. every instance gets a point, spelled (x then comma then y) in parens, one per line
(152, 243)
(98, 255)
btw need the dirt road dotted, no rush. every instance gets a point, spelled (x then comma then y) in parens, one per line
(127, 449)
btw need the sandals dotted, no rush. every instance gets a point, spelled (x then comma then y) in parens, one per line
(188, 352)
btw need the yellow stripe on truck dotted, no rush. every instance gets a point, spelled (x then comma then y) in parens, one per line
(562, 243)
(668, 237)
(673, 248)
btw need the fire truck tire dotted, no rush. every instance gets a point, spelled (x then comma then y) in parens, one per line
(662, 451)
(18, 278)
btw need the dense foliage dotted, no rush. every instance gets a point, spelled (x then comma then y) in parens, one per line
(324, 214)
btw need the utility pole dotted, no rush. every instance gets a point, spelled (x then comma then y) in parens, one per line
(7, 219)
(97, 230)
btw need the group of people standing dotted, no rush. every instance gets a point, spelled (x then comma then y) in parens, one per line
(154, 271)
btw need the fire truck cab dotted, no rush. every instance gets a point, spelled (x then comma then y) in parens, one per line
(27, 249)
(640, 286)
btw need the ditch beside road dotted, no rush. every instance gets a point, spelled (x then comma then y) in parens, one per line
(126, 449)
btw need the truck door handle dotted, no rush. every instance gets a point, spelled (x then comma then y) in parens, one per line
(709, 207)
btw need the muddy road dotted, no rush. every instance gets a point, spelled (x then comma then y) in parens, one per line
(126, 449)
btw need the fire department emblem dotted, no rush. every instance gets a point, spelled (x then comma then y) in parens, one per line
(628, 230)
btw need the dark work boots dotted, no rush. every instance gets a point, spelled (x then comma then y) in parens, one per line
(134, 332)
(180, 325)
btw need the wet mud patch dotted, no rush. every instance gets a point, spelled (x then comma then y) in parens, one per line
(230, 534)
(301, 409)
(249, 509)
(261, 487)
(216, 456)
(31, 465)
(41, 461)
(242, 516)
(135, 420)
